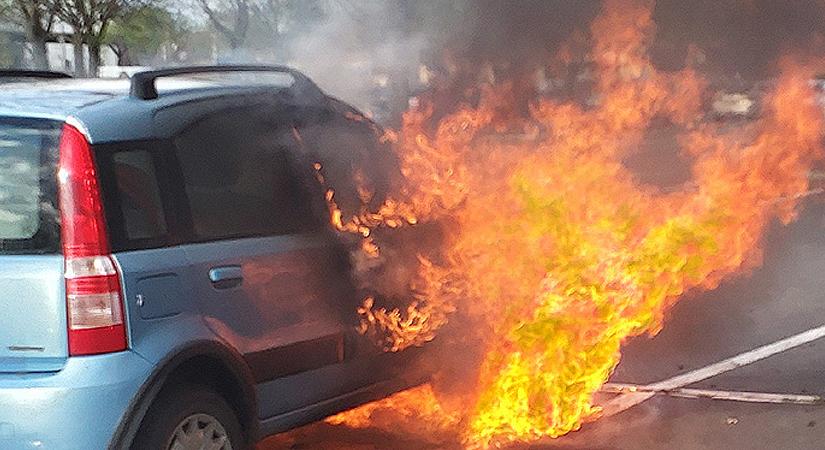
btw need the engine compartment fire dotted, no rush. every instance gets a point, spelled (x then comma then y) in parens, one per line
(538, 253)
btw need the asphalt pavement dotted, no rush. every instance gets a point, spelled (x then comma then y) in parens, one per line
(783, 297)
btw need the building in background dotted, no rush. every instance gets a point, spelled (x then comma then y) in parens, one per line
(16, 52)
(60, 52)
(12, 45)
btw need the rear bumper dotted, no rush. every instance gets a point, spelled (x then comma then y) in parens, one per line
(79, 407)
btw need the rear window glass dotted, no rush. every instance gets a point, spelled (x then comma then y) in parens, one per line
(139, 195)
(133, 179)
(28, 214)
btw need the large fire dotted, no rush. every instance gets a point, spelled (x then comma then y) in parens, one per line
(552, 247)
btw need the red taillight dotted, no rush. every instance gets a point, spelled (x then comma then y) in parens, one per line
(93, 292)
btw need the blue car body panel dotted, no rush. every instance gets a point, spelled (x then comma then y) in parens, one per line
(33, 344)
(75, 408)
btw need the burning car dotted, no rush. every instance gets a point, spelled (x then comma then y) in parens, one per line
(168, 274)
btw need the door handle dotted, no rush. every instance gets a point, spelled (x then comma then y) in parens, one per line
(226, 276)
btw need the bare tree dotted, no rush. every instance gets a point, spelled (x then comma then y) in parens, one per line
(37, 17)
(264, 21)
(89, 20)
(269, 13)
(233, 30)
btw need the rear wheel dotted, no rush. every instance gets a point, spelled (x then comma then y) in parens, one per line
(192, 417)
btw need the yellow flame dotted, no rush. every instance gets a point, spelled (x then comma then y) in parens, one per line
(555, 248)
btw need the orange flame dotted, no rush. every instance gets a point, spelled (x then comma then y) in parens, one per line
(556, 247)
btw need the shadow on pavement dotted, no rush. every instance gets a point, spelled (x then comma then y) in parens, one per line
(324, 436)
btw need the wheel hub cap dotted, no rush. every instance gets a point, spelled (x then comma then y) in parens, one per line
(199, 432)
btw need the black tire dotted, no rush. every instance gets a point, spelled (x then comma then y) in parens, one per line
(173, 406)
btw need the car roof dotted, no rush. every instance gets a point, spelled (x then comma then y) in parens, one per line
(59, 98)
(104, 108)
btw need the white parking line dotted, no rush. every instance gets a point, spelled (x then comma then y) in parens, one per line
(738, 396)
(631, 399)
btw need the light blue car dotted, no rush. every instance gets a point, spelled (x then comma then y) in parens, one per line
(166, 278)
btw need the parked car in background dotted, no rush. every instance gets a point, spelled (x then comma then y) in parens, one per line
(166, 278)
(733, 105)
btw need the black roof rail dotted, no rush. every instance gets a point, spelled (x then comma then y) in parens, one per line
(143, 83)
(25, 73)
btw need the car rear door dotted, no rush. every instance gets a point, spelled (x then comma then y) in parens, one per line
(32, 296)
(269, 277)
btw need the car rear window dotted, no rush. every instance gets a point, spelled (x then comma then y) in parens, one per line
(139, 195)
(133, 176)
(28, 213)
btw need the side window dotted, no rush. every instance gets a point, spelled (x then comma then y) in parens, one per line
(138, 195)
(239, 177)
